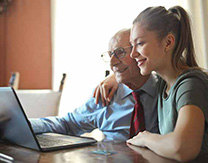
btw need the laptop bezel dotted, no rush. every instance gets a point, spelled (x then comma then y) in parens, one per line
(43, 149)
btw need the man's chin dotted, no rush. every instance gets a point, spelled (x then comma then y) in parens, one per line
(120, 80)
(122, 77)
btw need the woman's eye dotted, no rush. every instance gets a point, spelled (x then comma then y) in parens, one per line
(139, 44)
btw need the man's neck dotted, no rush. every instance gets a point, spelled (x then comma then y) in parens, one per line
(137, 83)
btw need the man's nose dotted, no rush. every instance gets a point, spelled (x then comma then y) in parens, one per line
(114, 60)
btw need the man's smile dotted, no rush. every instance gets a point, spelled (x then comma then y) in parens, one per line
(120, 70)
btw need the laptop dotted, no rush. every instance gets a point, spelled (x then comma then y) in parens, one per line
(15, 127)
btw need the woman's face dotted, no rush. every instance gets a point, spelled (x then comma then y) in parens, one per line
(148, 50)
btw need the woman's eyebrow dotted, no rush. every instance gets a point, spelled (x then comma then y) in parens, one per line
(135, 40)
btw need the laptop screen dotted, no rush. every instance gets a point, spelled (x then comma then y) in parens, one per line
(14, 126)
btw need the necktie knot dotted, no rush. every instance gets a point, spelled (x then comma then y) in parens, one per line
(136, 96)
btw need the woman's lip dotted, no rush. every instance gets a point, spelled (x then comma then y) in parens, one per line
(141, 61)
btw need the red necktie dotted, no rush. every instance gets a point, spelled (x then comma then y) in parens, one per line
(137, 118)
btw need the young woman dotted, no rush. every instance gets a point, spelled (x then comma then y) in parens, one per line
(162, 42)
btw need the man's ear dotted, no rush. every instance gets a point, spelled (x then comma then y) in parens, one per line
(169, 42)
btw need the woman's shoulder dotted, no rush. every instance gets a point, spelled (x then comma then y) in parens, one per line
(194, 73)
(193, 76)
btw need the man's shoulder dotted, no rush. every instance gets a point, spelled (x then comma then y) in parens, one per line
(123, 87)
(151, 85)
(123, 91)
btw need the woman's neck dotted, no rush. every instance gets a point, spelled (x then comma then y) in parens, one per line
(170, 76)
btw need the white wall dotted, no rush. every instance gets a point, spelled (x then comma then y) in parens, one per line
(81, 30)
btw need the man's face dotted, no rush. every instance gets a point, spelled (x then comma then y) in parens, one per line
(125, 69)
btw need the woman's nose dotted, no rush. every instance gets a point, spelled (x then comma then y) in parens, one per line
(134, 54)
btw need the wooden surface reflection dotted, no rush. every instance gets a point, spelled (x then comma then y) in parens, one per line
(122, 154)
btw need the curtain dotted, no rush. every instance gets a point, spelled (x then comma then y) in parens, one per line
(204, 13)
(198, 10)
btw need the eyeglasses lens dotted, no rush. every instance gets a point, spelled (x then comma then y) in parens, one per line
(120, 52)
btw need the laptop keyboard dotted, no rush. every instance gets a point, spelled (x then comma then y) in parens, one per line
(54, 140)
(50, 142)
(47, 140)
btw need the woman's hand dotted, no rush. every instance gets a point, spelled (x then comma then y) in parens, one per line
(139, 139)
(106, 90)
(189, 127)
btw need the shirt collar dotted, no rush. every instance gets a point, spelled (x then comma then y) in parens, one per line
(123, 91)
(149, 87)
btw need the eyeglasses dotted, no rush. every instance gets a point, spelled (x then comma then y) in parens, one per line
(119, 53)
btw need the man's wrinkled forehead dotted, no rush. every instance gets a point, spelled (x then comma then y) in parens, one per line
(119, 40)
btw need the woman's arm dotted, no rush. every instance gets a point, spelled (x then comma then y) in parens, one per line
(184, 143)
(149, 155)
(106, 90)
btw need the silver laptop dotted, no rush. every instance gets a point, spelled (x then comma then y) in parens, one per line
(15, 127)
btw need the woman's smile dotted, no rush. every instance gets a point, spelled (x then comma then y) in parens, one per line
(141, 61)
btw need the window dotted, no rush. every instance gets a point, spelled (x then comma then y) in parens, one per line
(81, 31)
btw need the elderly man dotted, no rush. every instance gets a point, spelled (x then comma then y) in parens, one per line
(114, 119)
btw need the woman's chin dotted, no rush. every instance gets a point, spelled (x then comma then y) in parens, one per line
(144, 72)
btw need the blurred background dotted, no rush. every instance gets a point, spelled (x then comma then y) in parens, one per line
(42, 39)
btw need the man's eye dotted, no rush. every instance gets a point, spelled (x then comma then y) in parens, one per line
(119, 51)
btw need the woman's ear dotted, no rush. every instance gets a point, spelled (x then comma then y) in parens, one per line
(169, 42)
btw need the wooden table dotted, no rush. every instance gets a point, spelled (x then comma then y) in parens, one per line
(123, 154)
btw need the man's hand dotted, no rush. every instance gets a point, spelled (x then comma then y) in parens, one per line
(106, 90)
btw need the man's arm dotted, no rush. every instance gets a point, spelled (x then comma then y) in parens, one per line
(83, 119)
